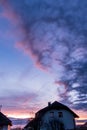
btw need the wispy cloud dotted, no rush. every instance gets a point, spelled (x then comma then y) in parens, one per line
(54, 34)
(19, 104)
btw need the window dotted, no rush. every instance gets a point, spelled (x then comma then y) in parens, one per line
(60, 114)
(51, 114)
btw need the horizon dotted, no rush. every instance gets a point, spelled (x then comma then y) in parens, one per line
(43, 55)
(79, 121)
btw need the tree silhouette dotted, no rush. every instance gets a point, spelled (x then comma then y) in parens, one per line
(56, 125)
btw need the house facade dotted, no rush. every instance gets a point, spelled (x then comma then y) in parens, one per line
(55, 116)
(5, 123)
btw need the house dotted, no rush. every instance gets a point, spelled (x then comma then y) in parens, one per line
(55, 116)
(5, 123)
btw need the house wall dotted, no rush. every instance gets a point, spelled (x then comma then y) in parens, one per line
(9, 127)
(5, 127)
(67, 119)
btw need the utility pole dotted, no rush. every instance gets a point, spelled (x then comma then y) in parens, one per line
(0, 107)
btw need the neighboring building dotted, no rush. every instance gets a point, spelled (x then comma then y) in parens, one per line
(5, 123)
(55, 116)
(85, 124)
(83, 127)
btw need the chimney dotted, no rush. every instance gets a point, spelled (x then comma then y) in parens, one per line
(49, 104)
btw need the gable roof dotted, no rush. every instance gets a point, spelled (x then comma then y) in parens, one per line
(4, 120)
(57, 106)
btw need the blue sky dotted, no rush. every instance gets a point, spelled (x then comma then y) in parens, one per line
(42, 55)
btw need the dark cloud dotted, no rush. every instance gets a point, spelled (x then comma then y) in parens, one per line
(80, 105)
(54, 33)
(81, 121)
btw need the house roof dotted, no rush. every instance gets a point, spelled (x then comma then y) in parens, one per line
(33, 122)
(4, 120)
(57, 106)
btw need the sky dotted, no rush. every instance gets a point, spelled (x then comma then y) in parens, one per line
(43, 55)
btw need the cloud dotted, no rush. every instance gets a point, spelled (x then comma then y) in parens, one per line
(21, 102)
(54, 34)
(81, 121)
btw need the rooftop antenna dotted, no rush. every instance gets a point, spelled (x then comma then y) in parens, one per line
(0, 107)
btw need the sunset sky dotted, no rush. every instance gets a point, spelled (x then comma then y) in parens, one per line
(43, 55)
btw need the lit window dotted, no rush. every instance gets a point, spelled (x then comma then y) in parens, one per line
(60, 114)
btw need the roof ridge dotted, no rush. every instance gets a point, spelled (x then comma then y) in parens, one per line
(56, 105)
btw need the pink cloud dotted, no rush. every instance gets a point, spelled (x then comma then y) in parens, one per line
(8, 12)
(20, 102)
